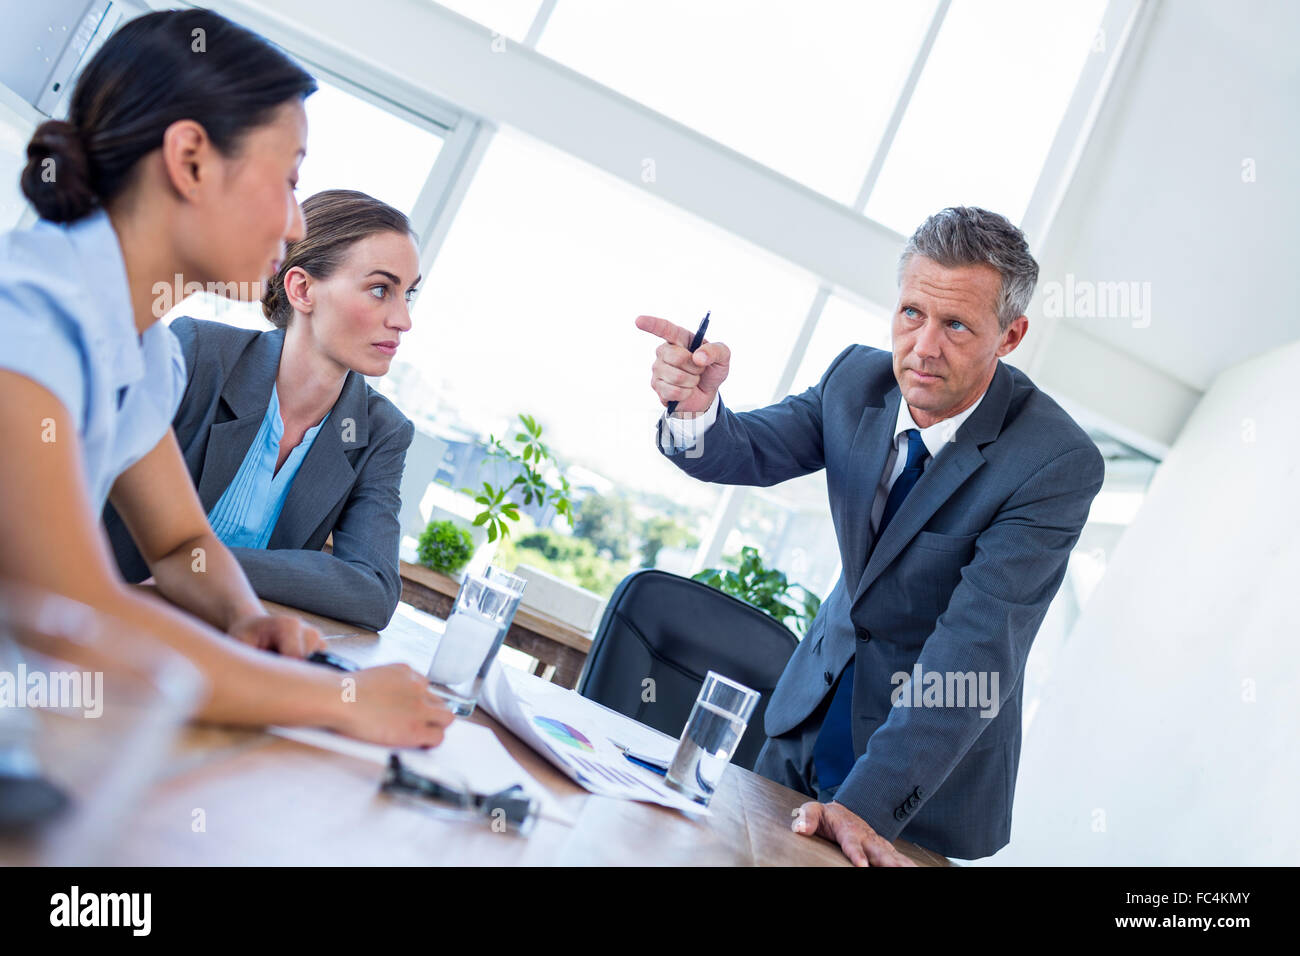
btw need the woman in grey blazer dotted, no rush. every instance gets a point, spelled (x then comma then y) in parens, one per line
(284, 440)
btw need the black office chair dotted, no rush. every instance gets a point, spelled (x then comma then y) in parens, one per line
(674, 630)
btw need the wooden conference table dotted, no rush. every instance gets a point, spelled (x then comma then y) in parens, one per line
(267, 800)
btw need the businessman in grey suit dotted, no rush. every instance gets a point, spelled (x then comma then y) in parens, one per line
(348, 484)
(957, 490)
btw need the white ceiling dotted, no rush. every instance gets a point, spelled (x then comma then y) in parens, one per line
(1159, 196)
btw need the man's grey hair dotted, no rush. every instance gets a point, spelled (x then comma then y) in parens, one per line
(968, 235)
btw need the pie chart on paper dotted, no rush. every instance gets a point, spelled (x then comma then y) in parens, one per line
(564, 733)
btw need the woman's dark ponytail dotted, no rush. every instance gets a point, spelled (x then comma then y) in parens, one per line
(157, 69)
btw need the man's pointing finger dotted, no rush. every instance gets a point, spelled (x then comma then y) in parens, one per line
(673, 334)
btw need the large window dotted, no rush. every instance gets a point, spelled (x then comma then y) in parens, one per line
(842, 323)
(790, 523)
(986, 109)
(805, 88)
(354, 144)
(531, 304)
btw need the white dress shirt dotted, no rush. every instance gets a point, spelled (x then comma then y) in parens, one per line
(934, 437)
(685, 432)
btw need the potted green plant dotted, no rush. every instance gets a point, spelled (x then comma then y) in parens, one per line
(767, 589)
(445, 546)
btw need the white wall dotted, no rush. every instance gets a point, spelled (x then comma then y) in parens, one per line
(1148, 746)
(1162, 196)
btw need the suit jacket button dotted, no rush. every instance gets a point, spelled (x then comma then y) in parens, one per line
(899, 813)
(918, 792)
(830, 678)
(864, 636)
(912, 802)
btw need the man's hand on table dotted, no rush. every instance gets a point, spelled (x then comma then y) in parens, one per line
(282, 633)
(837, 823)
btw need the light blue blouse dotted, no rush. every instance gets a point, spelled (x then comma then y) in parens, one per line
(245, 514)
(66, 323)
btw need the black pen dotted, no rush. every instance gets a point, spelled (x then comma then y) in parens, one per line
(332, 660)
(695, 344)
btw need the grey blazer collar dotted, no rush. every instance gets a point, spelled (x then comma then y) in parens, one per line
(326, 473)
(960, 458)
(247, 389)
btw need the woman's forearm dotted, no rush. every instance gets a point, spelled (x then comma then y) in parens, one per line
(203, 577)
(245, 686)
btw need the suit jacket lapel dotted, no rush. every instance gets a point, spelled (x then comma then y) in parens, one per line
(958, 460)
(326, 474)
(867, 456)
(245, 395)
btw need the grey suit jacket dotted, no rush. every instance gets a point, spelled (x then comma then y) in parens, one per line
(958, 583)
(348, 483)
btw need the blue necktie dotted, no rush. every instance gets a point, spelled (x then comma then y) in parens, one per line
(833, 750)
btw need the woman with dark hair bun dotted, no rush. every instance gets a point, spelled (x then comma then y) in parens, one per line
(177, 162)
(285, 442)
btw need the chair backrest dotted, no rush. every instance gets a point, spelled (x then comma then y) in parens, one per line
(422, 461)
(673, 631)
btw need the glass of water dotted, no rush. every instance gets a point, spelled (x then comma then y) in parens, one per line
(495, 590)
(479, 622)
(717, 722)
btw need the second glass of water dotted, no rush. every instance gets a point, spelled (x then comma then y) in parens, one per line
(479, 622)
(717, 722)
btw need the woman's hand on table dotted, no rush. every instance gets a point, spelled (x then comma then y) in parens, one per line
(282, 633)
(393, 706)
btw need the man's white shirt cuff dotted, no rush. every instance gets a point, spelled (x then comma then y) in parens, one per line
(686, 431)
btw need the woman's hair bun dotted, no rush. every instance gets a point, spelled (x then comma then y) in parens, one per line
(273, 301)
(57, 177)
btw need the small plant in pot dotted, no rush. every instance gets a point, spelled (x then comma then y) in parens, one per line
(445, 546)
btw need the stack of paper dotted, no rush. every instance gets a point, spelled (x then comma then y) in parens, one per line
(578, 736)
